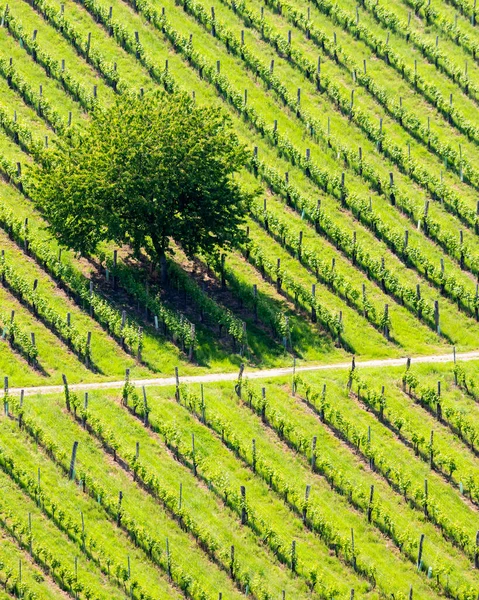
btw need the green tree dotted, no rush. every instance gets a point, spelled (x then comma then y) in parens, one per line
(143, 172)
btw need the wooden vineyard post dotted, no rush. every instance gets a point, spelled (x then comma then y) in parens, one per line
(476, 552)
(244, 513)
(438, 405)
(431, 450)
(39, 488)
(82, 530)
(88, 349)
(419, 554)
(293, 383)
(30, 533)
(294, 558)
(123, 323)
(32, 339)
(145, 407)
(223, 278)
(140, 341)
(232, 561)
(118, 517)
(71, 472)
(203, 405)
(213, 26)
(436, 317)
(353, 366)
(370, 505)
(418, 296)
(177, 388)
(278, 275)
(67, 392)
(255, 302)
(85, 406)
(193, 455)
(240, 380)
(353, 551)
(313, 453)
(386, 321)
(126, 387)
(313, 308)
(323, 400)
(426, 495)
(305, 506)
(168, 559)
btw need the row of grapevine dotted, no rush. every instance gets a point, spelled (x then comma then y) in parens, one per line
(465, 382)
(336, 53)
(263, 310)
(445, 464)
(85, 541)
(427, 48)
(43, 557)
(327, 274)
(174, 324)
(17, 337)
(407, 165)
(71, 279)
(256, 256)
(430, 399)
(448, 28)
(448, 284)
(466, 7)
(313, 521)
(151, 483)
(344, 241)
(356, 496)
(28, 295)
(141, 537)
(13, 585)
(385, 52)
(380, 462)
(52, 67)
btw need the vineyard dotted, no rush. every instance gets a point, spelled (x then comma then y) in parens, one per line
(360, 120)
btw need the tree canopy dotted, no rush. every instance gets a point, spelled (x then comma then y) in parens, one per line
(144, 171)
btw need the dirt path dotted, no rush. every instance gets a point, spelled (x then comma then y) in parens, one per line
(264, 374)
